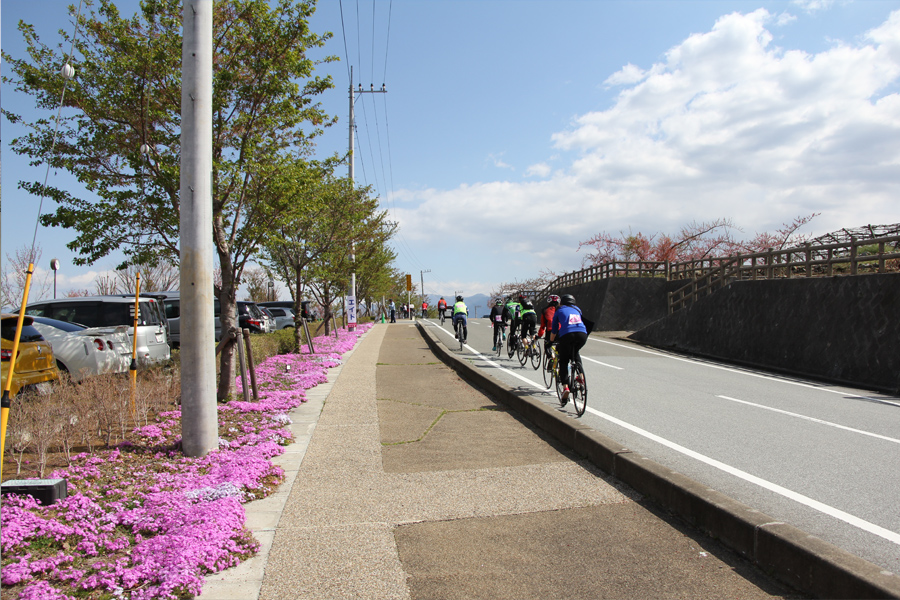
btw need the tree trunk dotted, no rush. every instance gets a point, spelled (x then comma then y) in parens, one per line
(229, 320)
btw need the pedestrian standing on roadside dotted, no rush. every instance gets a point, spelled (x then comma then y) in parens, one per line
(393, 312)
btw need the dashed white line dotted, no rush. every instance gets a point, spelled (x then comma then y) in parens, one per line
(813, 419)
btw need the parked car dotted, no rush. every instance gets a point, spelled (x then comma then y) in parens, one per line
(171, 302)
(283, 317)
(35, 365)
(86, 351)
(270, 318)
(250, 317)
(106, 311)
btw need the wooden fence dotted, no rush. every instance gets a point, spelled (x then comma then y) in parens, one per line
(852, 257)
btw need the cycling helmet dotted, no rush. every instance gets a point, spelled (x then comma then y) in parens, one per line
(499, 302)
(553, 298)
(527, 305)
(459, 299)
(567, 299)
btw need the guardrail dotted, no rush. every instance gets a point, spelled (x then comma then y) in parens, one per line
(867, 255)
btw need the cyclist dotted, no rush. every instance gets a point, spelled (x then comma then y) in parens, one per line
(460, 314)
(511, 314)
(568, 327)
(424, 308)
(547, 321)
(499, 325)
(527, 319)
(442, 307)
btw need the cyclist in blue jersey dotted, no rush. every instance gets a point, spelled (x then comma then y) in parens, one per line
(569, 331)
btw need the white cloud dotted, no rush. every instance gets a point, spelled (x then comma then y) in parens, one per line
(727, 125)
(812, 6)
(497, 161)
(538, 170)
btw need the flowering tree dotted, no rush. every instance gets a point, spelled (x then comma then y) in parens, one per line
(694, 241)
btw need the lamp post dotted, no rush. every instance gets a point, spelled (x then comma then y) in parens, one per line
(271, 290)
(54, 264)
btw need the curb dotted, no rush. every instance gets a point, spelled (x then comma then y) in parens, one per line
(800, 560)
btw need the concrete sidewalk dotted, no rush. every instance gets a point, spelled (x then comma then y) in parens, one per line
(416, 485)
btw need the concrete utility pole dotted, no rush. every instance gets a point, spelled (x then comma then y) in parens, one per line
(372, 90)
(199, 416)
(422, 283)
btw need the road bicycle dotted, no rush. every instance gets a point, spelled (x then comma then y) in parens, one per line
(530, 348)
(442, 317)
(551, 364)
(512, 344)
(498, 339)
(577, 388)
(461, 335)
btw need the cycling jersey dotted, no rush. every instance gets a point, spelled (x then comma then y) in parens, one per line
(460, 307)
(567, 319)
(546, 320)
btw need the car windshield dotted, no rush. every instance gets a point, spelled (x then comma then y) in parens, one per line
(29, 333)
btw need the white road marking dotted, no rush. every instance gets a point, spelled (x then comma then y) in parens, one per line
(813, 419)
(887, 534)
(749, 373)
(602, 363)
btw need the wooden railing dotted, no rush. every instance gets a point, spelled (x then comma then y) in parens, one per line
(868, 255)
(846, 258)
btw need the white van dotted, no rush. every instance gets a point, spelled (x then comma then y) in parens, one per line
(106, 311)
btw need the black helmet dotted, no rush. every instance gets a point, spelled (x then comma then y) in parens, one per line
(567, 299)
(459, 299)
(499, 302)
(527, 305)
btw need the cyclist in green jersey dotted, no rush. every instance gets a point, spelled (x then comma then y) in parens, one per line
(460, 317)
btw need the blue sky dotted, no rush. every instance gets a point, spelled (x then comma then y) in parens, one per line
(514, 129)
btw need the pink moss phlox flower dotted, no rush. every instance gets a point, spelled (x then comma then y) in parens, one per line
(158, 528)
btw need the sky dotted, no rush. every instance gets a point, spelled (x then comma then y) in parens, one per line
(512, 130)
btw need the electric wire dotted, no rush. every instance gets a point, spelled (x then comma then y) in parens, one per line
(55, 135)
(344, 34)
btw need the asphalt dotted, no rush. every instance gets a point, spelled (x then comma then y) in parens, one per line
(411, 479)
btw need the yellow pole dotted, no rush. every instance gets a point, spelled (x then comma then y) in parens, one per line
(5, 401)
(133, 367)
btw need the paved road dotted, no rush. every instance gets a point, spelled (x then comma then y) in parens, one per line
(823, 458)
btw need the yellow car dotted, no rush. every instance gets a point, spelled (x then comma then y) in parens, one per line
(35, 365)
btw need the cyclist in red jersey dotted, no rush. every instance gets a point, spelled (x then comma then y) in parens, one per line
(547, 321)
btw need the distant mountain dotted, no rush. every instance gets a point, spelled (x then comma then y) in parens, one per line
(479, 302)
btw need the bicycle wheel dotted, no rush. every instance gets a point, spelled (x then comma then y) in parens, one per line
(536, 354)
(462, 338)
(522, 352)
(559, 393)
(549, 370)
(499, 343)
(578, 385)
(511, 345)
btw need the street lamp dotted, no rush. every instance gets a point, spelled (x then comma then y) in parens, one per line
(54, 264)
(271, 290)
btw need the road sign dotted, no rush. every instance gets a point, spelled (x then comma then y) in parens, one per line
(351, 310)
(408, 282)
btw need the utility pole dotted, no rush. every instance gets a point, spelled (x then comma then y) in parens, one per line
(199, 422)
(422, 282)
(372, 90)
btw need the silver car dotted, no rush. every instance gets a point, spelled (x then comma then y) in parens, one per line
(284, 317)
(112, 311)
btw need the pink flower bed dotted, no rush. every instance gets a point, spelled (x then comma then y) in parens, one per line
(142, 521)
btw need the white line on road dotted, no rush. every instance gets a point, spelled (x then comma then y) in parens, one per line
(887, 534)
(813, 419)
(768, 485)
(749, 373)
(602, 363)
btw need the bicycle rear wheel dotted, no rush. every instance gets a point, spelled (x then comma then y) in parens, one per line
(522, 352)
(549, 370)
(578, 385)
(536, 355)
(559, 392)
(510, 345)
(499, 342)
